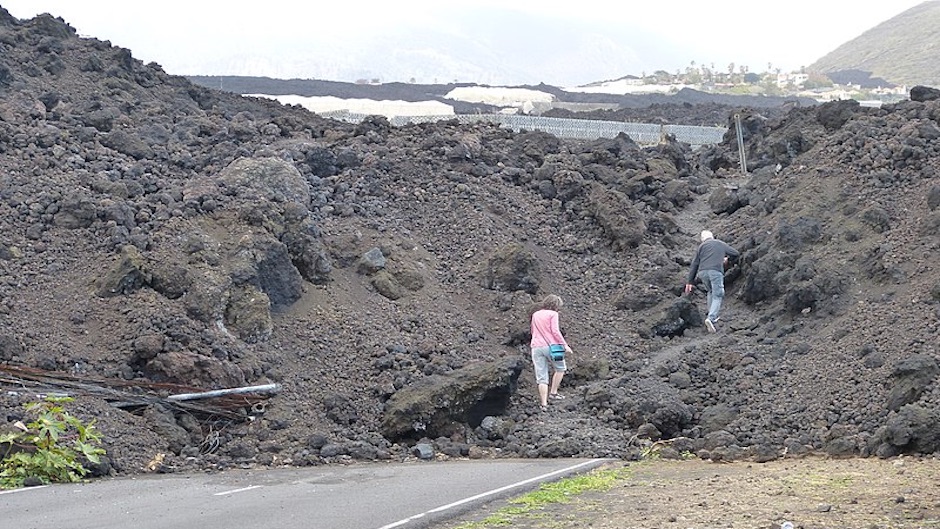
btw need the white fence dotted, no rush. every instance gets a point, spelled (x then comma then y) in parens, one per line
(582, 129)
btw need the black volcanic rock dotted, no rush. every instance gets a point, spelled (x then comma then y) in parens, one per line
(226, 235)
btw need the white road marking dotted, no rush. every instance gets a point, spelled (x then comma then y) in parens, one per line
(11, 491)
(488, 493)
(236, 490)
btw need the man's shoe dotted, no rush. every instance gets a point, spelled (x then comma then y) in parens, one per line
(710, 325)
(556, 396)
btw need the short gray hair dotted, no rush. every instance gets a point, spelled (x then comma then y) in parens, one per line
(707, 235)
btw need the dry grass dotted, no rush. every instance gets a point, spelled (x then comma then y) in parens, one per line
(810, 493)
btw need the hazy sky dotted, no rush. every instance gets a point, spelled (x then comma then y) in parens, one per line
(789, 34)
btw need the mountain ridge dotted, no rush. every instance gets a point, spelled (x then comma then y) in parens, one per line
(904, 50)
(901, 51)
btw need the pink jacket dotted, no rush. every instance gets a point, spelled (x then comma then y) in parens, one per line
(545, 329)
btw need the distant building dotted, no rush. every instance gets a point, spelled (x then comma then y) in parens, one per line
(791, 79)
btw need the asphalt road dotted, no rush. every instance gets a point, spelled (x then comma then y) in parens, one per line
(361, 496)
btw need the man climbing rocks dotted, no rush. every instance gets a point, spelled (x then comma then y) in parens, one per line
(709, 267)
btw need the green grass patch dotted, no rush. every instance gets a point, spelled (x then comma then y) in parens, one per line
(563, 491)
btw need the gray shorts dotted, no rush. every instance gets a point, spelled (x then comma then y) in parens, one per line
(541, 359)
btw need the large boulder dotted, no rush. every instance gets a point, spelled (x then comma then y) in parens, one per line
(302, 238)
(127, 143)
(271, 179)
(924, 93)
(913, 429)
(440, 405)
(678, 317)
(834, 114)
(193, 369)
(639, 401)
(74, 213)
(261, 260)
(911, 377)
(617, 215)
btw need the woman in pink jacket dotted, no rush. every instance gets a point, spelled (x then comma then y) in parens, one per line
(545, 332)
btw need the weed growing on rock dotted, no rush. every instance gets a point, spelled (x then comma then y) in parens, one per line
(50, 448)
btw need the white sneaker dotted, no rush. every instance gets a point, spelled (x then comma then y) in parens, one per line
(710, 325)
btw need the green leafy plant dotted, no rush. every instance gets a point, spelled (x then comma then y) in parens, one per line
(51, 448)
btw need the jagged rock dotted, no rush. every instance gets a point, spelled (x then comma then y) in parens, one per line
(318, 440)
(147, 347)
(9, 348)
(618, 217)
(588, 369)
(638, 298)
(364, 451)
(910, 378)
(512, 268)
(241, 449)
(386, 285)
(303, 240)
(162, 421)
(933, 197)
(333, 450)
(438, 405)
(372, 261)
(835, 114)
(718, 439)
(75, 213)
(913, 429)
(677, 192)
(248, 313)
(564, 447)
(842, 447)
(678, 317)
(424, 451)
(408, 277)
(128, 275)
(725, 200)
(261, 260)
(340, 410)
(924, 93)
(797, 233)
(763, 453)
(128, 144)
(496, 427)
(648, 431)
(207, 296)
(170, 279)
(7, 253)
(639, 402)
(188, 368)
(271, 179)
